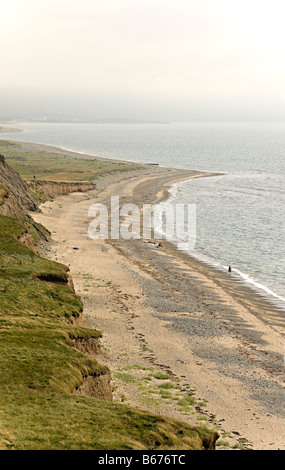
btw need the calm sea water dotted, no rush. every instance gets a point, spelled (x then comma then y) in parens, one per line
(240, 215)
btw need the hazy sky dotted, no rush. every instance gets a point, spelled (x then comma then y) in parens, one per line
(148, 59)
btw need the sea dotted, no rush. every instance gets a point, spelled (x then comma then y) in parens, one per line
(240, 217)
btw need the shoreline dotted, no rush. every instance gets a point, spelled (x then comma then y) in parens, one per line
(9, 130)
(262, 290)
(172, 313)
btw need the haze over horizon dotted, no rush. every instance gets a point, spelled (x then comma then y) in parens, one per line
(169, 60)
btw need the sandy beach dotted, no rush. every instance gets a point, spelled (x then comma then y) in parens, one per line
(161, 311)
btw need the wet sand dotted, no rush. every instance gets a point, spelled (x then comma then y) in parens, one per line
(160, 310)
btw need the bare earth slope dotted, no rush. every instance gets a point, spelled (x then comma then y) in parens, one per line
(16, 199)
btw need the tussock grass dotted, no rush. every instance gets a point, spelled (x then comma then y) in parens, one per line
(163, 376)
(84, 423)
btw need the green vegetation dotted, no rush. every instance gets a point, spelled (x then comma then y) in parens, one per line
(166, 385)
(222, 443)
(238, 446)
(162, 376)
(125, 378)
(31, 160)
(136, 366)
(187, 401)
(40, 369)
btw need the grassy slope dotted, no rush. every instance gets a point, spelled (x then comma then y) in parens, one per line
(52, 165)
(40, 368)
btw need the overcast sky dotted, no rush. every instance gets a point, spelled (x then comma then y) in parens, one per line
(143, 59)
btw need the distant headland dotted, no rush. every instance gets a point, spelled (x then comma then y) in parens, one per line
(68, 120)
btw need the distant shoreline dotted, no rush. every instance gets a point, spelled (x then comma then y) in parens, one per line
(87, 121)
(9, 130)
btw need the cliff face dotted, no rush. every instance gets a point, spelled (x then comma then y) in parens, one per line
(15, 199)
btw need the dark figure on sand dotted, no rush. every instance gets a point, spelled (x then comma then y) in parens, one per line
(230, 269)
